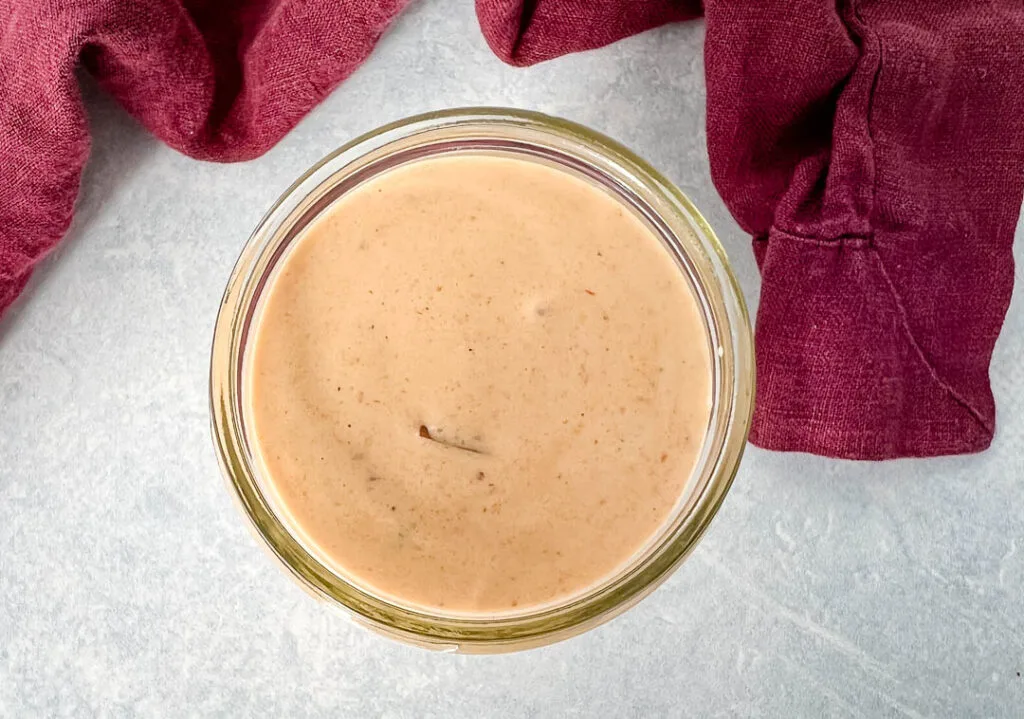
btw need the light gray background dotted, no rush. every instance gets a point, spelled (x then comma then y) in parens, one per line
(130, 586)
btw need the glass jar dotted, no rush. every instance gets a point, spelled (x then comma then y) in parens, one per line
(591, 156)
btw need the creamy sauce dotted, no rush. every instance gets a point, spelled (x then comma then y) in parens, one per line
(478, 384)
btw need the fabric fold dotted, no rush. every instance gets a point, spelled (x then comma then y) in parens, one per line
(221, 82)
(870, 158)
(525, 32)
(838, 363)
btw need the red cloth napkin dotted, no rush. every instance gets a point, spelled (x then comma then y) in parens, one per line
(875, 152)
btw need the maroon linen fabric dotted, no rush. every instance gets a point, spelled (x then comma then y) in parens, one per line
(873, 149)
(878, 160)
(215, 79)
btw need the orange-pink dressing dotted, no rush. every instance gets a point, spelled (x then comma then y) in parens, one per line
(478, 384)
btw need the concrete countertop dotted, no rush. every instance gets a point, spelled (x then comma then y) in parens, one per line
(130, 585)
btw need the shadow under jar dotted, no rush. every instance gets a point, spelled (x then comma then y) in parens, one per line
(481, 377)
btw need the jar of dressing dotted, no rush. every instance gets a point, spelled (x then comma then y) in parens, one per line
(482, 378)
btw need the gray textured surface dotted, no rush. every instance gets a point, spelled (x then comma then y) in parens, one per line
(129, 586)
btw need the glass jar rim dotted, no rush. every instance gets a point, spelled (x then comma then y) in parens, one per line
(458, 129)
